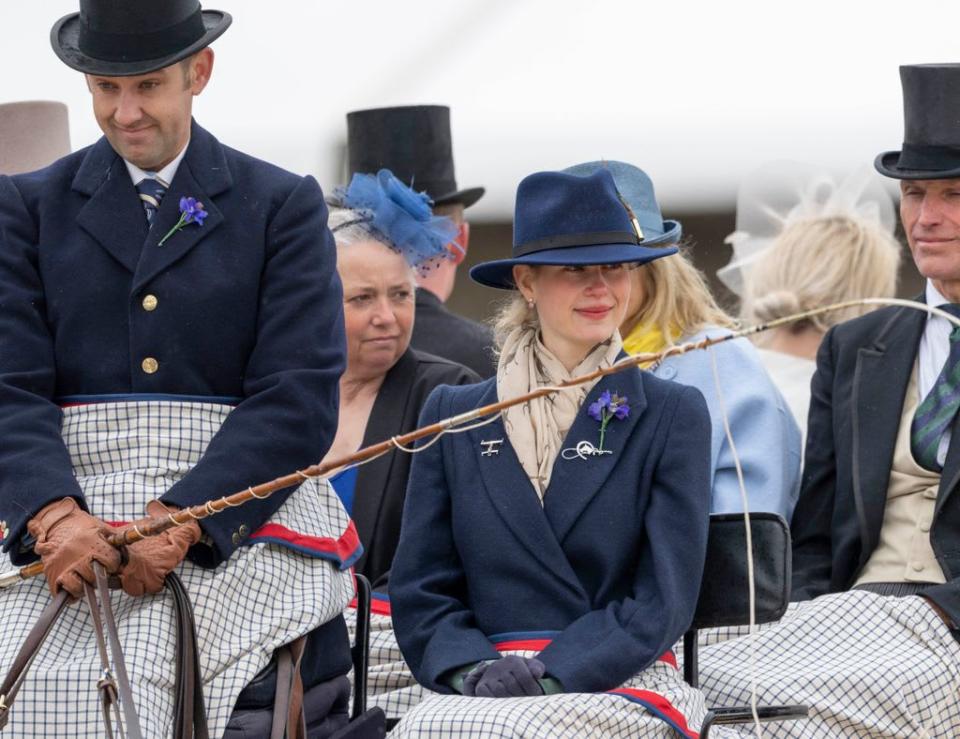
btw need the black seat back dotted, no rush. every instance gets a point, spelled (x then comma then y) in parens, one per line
(724, 598)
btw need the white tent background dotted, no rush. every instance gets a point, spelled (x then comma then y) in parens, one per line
(696, 93)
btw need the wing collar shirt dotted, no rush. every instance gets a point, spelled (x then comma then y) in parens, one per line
(934, 350)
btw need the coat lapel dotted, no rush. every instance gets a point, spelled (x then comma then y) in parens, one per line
(515, 499)
(113, 215)
(574, 482)
(879, 389)
(388, 410)
(202, 174)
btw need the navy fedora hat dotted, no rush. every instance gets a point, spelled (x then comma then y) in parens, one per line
(636, 187)
(569, 219)
(931, 125)
(122, 38)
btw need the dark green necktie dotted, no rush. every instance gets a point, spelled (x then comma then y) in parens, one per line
(937, 411)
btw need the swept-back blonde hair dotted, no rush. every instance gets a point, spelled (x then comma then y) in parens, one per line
(819, 261)
(675, 297)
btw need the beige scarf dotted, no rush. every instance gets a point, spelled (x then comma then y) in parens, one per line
(536, 429)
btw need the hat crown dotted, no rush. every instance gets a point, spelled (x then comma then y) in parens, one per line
(412, 141)
(636, 187)
(931, 105)
(136, 17)
(559, 206)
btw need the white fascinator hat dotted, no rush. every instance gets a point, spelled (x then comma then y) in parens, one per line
(782, 193)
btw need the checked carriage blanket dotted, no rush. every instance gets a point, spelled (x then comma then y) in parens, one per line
(125, 454)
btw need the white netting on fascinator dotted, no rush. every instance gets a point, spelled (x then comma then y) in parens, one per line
(782, 193)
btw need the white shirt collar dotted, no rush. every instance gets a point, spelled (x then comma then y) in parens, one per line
(164, 176)
(933, 297)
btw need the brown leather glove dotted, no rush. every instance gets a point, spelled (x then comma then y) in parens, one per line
(69, 540)
(152, 558)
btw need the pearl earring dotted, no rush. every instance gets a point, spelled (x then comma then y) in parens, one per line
(530, 303)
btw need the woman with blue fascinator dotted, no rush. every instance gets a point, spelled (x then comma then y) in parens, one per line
(551, 558)
(384, 231)
(670, 304)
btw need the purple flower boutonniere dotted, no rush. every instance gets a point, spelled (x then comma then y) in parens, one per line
(605, 408)
(191, 211)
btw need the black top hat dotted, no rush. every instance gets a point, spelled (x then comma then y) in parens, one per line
(931, 125)
(414, 143)
(121, 38)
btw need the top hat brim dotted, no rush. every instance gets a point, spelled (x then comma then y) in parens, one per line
(65, 36)
(888, 164)
(466, 198)
(499, 273)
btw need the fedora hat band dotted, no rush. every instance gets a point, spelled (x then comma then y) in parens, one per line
(928, 157)
(563, 241)
(124, 47)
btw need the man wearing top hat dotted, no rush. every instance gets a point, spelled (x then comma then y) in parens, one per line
(170, 332)
(869, 644)
(414, 143)
(879, 506)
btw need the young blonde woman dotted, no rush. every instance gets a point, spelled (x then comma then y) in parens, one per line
(671, 304)
(805, 241)
(550, 559)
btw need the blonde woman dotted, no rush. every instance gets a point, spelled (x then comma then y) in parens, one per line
(831, 244)
(671, 304)
(550, 559)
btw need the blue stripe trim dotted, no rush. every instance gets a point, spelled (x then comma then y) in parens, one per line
(126, 397)
(518, 635)
(341, 565)
(380, 596)
(655, 711)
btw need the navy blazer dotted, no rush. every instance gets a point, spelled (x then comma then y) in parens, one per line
(609, 566)
(249, 309)
(856, 403)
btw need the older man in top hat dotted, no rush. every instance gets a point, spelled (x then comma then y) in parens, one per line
(170, 332)
(876, 531)
(414, 143)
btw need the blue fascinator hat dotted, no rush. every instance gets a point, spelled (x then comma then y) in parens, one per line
(637, 189)
(398, 215)
(570, 219)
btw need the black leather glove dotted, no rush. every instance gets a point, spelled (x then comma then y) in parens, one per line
(507, 677)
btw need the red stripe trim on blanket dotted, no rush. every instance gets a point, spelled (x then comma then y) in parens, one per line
(344, 549)
(379, 604)
(538, 645)
(659, 705)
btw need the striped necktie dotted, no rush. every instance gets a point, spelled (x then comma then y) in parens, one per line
(151, 193)
(937, 411)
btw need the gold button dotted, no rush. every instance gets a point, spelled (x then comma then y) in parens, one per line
(149, 302)
(149, 365)
(235, 538)
(244, 529)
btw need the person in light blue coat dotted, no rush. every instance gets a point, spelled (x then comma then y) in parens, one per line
(670, 304)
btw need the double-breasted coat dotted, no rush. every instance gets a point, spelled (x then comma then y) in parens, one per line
(608, 567)
(857, 398)
(245, 308)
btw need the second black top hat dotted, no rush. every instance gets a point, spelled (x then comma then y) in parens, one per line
(931, 125)
(414, 143)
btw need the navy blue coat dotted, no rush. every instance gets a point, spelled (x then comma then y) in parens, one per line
(609, 566)
(249, 307)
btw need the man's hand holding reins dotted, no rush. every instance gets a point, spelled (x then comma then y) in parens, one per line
(69, 541)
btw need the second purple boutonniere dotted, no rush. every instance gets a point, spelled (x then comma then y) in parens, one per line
(191, 211)
(606, 408)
